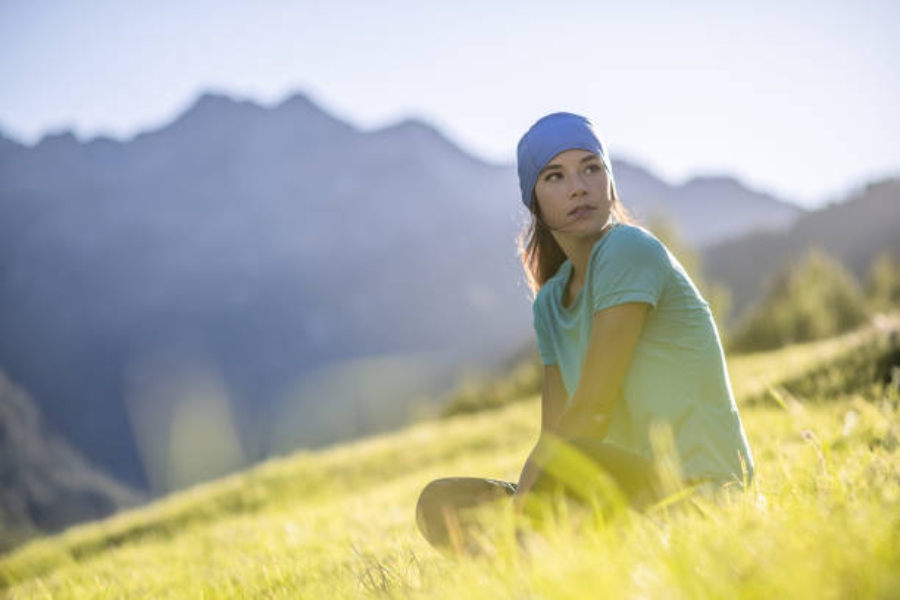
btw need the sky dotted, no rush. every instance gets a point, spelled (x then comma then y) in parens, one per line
(795, 98)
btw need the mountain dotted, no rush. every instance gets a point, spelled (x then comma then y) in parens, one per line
(268, 278)
(854, 232)
(47, 485)
(271, 242)
(8, 146)
(706, 210)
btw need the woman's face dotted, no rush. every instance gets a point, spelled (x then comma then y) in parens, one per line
(574, 194)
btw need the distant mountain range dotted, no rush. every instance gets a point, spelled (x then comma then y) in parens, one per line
(705, 210)
(325, 279)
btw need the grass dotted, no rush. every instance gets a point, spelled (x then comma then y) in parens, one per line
(823, 519)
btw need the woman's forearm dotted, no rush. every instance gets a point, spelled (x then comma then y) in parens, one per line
(587, 418)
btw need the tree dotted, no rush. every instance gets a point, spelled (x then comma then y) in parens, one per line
(811, 299)
(883, 282)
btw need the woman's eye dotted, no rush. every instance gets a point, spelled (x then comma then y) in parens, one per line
(553, 177)
(591, 169)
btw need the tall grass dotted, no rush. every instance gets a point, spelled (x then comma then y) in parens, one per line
(822, 519)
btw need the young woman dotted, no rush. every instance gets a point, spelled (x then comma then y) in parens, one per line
(628, 344)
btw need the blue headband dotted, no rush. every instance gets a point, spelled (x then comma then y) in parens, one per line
(548, 137)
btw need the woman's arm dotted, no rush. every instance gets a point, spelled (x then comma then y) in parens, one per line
(553, 402)
(614, 334)
(553, 397)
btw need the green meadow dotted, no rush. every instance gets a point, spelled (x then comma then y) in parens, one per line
(822, 519)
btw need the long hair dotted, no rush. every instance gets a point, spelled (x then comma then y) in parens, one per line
(541, 254)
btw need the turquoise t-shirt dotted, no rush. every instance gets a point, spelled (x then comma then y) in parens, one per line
(677, 374)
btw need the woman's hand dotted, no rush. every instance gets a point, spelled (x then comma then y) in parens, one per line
(544, 451)
(527, 480)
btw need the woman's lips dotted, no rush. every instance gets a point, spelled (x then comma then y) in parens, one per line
(581, 211)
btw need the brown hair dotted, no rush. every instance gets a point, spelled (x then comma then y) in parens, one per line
(541, 254)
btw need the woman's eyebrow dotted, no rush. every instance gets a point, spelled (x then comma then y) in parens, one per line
(551, 167)
(587, 158)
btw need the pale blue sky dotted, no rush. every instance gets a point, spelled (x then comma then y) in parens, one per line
(798, 98)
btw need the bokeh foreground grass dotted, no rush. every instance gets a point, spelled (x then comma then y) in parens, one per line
(822, 521)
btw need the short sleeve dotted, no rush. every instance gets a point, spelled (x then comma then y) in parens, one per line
(544, 341)
(633, 267)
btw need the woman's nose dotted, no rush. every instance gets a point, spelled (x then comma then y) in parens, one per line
(577, 185)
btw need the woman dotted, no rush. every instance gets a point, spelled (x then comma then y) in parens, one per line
(628, 344)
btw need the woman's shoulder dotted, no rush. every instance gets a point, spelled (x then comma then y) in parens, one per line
(629, 239)
(625, 233)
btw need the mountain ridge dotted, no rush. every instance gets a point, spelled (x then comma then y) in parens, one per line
(219, 101)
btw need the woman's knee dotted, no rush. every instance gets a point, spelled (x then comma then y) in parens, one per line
(461, 492)
(434, 497)
(440, 502)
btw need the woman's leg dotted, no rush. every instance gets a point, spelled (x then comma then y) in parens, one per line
(444, 509)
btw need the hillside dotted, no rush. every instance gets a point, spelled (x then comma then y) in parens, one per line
(283, 258)
(853, 231)
(46, 485)
(339, 523)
